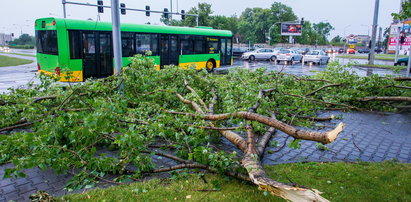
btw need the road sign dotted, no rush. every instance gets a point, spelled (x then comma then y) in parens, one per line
(352, 46)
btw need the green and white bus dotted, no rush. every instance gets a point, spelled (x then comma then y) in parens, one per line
(84, 48)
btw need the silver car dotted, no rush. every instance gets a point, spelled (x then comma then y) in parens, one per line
(289, 55)
(259, 54)
(316, 56)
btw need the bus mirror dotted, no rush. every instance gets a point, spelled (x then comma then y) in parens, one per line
(147, 10)
(100, 8)
(122, 8)
(183, 14)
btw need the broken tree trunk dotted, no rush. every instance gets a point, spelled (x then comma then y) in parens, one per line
(253, 151)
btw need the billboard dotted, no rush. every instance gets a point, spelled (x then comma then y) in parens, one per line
(291, 29)
(392, 40)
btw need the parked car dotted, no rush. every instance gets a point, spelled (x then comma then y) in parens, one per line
(378, 50)
(351, 51)
(304, 50)
(341, 50)
(260, 54)
(402, 62)
(239, 51)
(316, 56)
(289, 55)
(363, 50)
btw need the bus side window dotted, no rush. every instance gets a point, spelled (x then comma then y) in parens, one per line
(154, 44)
(143, 43)
(127, 44)
(75, 44)
(212, 45)
(187, 46)
(199, 45)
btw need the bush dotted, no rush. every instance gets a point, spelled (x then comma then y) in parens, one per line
(22, 46)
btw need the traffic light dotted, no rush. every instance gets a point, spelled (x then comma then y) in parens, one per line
(402, 38)
(100, 8)
(302, 21)
(165, 13)
(147, 10)
(122, 8)
(183, 14)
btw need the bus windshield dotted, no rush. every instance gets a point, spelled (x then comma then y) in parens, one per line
(47, 42)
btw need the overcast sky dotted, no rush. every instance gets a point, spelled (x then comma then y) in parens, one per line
(353, 16)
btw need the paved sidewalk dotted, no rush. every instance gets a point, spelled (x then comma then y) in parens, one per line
(377, 137)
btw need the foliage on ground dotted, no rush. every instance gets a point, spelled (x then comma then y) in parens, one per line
(360, 181)
(71, 127)
(6, 61)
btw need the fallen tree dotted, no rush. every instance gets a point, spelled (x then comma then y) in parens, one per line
(179, 115)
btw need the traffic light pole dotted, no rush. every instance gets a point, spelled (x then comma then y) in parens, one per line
(130, 9)
(115, 19)
(64, 7)
(374, 32)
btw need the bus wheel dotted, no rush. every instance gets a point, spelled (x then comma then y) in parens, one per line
(210, 66)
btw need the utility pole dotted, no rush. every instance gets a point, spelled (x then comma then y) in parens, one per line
(64, 7)
(397, 44)
(374, 32)
(115, 18)
(171, 10)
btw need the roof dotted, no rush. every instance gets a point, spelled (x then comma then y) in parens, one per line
(107, 26)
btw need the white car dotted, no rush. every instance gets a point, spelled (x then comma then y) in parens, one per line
(259, 54)
(316, 56)
(289, 55)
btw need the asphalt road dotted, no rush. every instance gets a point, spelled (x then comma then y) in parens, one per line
(17, 76)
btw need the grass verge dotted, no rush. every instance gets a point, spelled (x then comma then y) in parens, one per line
(22, 54)
(385, 57)
(387, 181)
(6, 61)
(392, 67)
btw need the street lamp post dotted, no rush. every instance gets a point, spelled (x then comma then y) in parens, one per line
(269, 31)
(345, 38)
(374, 32)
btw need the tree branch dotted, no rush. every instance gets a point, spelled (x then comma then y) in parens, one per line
(323, 87)
(398, 98)
(323, 137)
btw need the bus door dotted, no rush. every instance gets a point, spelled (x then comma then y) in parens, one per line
(225, 51)
(174, 53)
(97, 54)
(105, 54)
(169, 50)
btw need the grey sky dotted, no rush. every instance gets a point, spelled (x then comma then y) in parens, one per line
(17, 15)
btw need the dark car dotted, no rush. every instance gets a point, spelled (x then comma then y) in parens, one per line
(378, 50)
(363, 50)
(341, 50)
(402, 62)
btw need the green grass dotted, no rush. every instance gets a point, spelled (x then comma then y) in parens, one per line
(22, 54)
(6, 61)
(387, 57)
(386, 181)
(392, 67)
